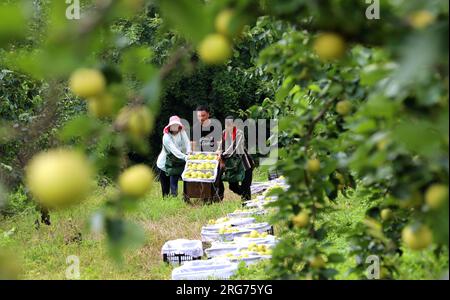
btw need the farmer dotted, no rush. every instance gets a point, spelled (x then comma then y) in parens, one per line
(205, 139)
(204, 129)
(173, 156)
(238, 164)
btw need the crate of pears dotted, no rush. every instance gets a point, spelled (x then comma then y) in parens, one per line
(201, 167)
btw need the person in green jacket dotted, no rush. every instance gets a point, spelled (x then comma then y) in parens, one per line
(237, 163)
(173, 156)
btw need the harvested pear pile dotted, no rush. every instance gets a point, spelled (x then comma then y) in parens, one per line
(229, 240)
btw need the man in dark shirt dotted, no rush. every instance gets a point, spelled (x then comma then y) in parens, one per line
(203, 138)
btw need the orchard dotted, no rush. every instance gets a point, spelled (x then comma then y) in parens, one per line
(362, 111)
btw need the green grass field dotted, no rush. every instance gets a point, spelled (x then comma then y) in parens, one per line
(43, 251)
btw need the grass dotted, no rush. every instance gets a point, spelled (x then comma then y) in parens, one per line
(346, 213)
(341, 218)
(43, 252)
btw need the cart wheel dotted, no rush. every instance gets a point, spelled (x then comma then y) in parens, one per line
(186, 198)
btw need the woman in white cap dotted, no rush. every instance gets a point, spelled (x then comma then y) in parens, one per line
(173, 156)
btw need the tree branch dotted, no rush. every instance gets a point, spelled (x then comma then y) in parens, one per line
(314, 122)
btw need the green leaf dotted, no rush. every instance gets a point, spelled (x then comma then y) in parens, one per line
(12, 23)
(136, 63)
(151, 92)
(418, 136)
(188, 17)
(284, 90)
(373, 73)
(380, 106)
(366, 126)
(335, 258)
(123, 235)
(80, 127)
(329, 273)
(314, 88)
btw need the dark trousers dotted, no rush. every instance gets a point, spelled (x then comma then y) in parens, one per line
(169, 184)
(242, 189)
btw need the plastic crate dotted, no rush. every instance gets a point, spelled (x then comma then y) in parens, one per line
(214, 170)
(174, 258)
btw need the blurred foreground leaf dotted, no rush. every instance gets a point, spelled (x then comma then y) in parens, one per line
(12, 23)
(123, 235)
(189, 17)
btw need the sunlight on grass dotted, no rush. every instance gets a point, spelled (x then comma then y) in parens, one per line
(44, 250)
